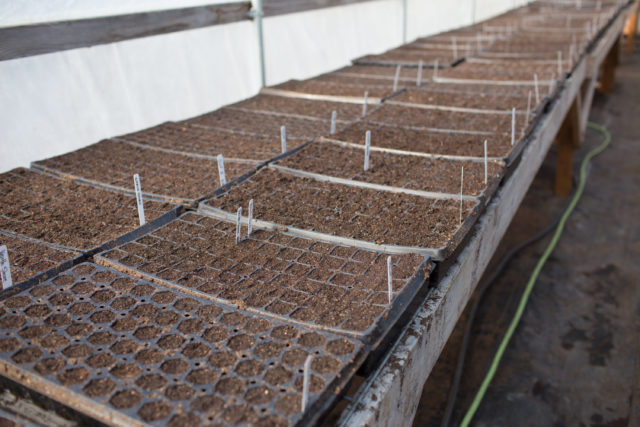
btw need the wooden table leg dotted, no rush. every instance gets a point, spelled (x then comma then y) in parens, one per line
(568, 139)
(607, 78)
(630, 30)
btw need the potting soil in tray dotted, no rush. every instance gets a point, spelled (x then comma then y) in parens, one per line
(487, 89)
(374, 216)
(345, 111)
(405, 171)
(299, 279)
(386, 71)
(428, 142)
(340, 86)
(29, 258)
(441, 119)
(129, 351)
(65, 213)
(164, 174)
(186, 138)
(411, 58)
(435, 97)
(265, 124)
(524, 75)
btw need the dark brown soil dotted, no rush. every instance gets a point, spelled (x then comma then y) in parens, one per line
(151, 382)
(171, 341)
(28, 258)
(435, 95)
(411, 57)
(340, 86)
(408, 75)
(179, 392)
(303, 107)
(187, 138)
(115, 162)
(66, 213)
(332, 290)
(27, 355)
(411, 172)
(154, 411)
(265, 124)
(441, 119)
(126, 399)
(382, 218)
(420, 141)
(73, 376)
(493, 75)
(99, 387)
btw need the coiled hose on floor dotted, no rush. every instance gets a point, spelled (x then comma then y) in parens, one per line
(534, 276)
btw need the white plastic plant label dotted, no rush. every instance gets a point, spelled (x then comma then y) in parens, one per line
(223, 178)
(5, 268)
(136, 183)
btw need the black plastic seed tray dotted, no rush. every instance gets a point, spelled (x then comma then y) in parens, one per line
(67, 213)
(264, 123)
(200, 141)
(348, 216)
(328, 286)
(112, 163)
(33, 261)
(125, 351)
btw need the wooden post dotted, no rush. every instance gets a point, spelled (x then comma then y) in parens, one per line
(607, 78)
(630, 30)
(568, 139)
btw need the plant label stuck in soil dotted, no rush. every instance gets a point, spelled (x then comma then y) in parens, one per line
(5, 268)
(389, 279)
(250, 225)
(367, 148)
(136, 183)
(223, 178)
(396, 78)
(238, 226)
(334, 117)
(364, 106)
(283, 138)
(306, 380)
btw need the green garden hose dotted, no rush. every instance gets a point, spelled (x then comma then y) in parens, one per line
(536, 272)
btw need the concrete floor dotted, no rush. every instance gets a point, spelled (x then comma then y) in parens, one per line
(575, 357)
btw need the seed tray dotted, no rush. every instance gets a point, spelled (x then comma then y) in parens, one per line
(412, 57)
(517, 76)
(425, 142)
(164, 176)
(403, 171)
(345, 111)
(339, 86)
(361, 217)
(445, 120)
(318, 285)
(267, 124)
(460, 100)
(486, 89)
(33, 261)
(408, 74)
(125, 351)
(68, 214)
(198, 141)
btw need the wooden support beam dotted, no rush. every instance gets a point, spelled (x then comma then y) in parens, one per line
(568, 139)
(608, 75)
(37, 39)
(630, 29)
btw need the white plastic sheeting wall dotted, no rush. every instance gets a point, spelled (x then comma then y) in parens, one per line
(58, 102)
